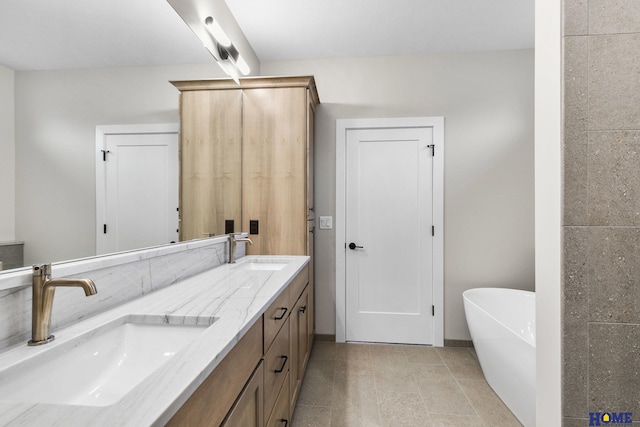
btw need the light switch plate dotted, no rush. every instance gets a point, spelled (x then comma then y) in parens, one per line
(326, 222)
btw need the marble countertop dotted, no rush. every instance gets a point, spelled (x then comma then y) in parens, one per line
(235, 297)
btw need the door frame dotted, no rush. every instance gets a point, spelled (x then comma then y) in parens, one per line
(101, 183)
(344, 125)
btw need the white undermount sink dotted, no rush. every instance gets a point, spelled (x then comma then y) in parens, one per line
(264, 264)
(98, 367)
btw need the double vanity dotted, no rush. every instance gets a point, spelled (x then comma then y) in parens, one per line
(226, 346)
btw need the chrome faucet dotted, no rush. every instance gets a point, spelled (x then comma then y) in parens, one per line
(232, 246)
(44, 288)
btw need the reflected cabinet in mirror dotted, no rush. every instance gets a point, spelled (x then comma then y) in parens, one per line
(255, 140)
(210, 162)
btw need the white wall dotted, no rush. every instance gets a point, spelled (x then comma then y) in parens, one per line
(487, 102)
(548, 172)
(56, 115)
(7, 156)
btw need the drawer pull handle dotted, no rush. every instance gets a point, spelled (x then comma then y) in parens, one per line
(284, 363)
(286, 422)
(303, 309)
(284, 311)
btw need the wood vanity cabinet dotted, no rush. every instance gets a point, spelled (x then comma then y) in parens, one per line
(295, 335)
(258, 382)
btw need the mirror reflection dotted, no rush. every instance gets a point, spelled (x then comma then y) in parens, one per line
(54, 99)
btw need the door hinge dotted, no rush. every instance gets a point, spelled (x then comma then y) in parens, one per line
(104, 229)
(433, 149)
(433, 310)
(433, 230)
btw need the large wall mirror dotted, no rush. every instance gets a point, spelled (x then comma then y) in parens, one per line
(50, 110)
(135, 197)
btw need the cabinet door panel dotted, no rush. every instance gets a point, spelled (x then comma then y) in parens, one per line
(274, 169)
(303, 331)
(281, 414)
(210, 162)
(299, 344)
(294, 338)
(248, 410)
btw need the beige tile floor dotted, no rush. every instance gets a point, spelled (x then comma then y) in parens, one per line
(393, 385)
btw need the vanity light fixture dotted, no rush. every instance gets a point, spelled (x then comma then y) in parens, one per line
(199, 16)
(217, 32)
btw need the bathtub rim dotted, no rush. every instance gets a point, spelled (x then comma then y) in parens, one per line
(501, 290)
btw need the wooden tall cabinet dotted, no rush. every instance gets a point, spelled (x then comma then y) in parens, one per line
(210, 155)
(249, 147)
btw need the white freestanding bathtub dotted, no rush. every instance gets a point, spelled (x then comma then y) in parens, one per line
(503, 329)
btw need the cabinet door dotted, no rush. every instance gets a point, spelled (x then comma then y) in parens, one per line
(294, 343)
(299, 344)
(274, 170)
(303, 331)
(210, 162)
(248, 410)
(311, 312)
(310, 150)
(281, 413)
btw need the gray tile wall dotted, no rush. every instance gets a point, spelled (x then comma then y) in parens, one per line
(601, 219)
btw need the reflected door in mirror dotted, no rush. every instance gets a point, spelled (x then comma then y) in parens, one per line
(141, 191)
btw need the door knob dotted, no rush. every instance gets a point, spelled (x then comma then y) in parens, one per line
(353, 246)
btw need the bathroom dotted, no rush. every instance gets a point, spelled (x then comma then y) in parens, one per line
(483, 163)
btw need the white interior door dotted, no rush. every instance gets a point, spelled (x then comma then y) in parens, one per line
(140, 190)
(389, 219)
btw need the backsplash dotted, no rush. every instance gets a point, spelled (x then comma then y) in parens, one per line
(119, 278)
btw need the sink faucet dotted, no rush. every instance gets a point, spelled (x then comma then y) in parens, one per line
(44, 288)
(233, 240)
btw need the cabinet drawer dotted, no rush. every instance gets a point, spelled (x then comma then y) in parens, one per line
(274, 318)
(280, 414)
(276, 367)
(297, 285)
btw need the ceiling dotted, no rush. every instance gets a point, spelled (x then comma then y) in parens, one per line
(65, 34)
